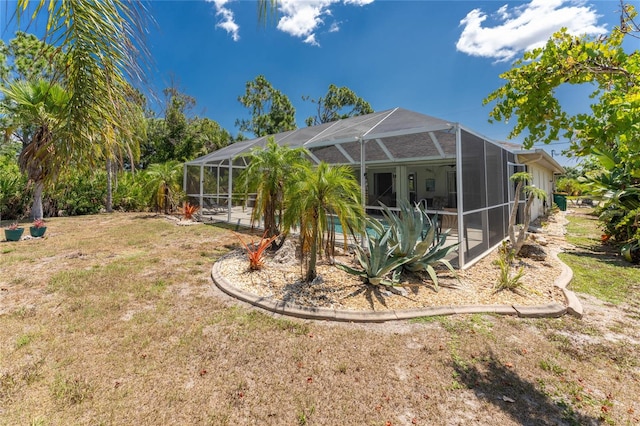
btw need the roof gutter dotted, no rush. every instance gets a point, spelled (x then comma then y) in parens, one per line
(541, 156)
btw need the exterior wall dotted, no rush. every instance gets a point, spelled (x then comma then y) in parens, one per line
(543, 179)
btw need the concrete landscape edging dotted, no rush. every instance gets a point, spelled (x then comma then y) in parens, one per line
(552, 310)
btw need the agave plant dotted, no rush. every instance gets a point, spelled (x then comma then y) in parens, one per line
(416, 240)
(408, 227)
(378, 259)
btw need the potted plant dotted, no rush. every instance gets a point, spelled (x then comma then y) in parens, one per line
(38, 228)
(13, 232)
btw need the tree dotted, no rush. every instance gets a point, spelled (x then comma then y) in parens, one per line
(14, 199)
(271, 110)
(31, 59)
(529, 94)
(203, 136)
(163, 182)
(321, 193)
(100, 44)
(271, 171)
(617, 185)
(521, 179)
(38, 108)
(333, 106)
(178, 136)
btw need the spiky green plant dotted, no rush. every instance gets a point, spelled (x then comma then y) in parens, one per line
(377, 260)
(415, 238)
(507, 281)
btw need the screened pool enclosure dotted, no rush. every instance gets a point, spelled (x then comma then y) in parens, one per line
(396, 154)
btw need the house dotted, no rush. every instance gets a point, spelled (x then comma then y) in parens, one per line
(397, 154)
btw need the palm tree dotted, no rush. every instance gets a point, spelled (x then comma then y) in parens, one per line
(100, 43)
(270, 172)
(521, 179)
(163, 183)
(37, 110)
(323, 191)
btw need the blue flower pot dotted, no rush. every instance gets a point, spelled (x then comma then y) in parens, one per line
(37, 232)
(13, 234)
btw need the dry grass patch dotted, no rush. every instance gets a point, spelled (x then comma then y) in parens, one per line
(113, 319)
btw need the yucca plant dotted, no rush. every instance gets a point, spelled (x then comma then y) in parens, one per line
(377, 260)
(255, 252)
(507, 281)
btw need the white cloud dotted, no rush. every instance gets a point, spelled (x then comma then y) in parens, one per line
(311, 39)
(524, 27)
(503, 12)
(304, 18)
(358, 2)
(300, 18)
(227, 20)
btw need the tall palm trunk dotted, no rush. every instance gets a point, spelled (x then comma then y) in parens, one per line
(313, 255)
(36, 208)
(34, 162)
(166, 199)
(514, 213)
(109, 201)
(270, 224)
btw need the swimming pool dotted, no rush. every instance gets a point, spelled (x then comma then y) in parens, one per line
(333, 221)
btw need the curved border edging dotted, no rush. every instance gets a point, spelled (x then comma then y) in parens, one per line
(552, 310)
(574, 307)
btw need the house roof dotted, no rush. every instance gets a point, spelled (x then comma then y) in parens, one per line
(541, 157)
(393, 135)
(381, 125)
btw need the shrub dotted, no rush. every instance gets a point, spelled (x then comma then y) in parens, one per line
(14, 195)
(569, 186)
(78, 194)
(188, 210)
(129, 193)
(255, 252)
(505, 259)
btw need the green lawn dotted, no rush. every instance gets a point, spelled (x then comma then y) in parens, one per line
(598, 269)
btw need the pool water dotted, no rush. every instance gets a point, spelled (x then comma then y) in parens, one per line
(333, 221)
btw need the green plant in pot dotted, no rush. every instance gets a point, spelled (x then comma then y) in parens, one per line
(38, 228)
(13, 232)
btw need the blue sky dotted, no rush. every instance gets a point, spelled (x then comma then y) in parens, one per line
(439, 58)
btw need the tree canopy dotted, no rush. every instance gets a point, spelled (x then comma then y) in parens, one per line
(530, 92)
(100, 45)
(337, 104)
(179, 135)
(27, 57)
(271, 110)
(37, 107)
